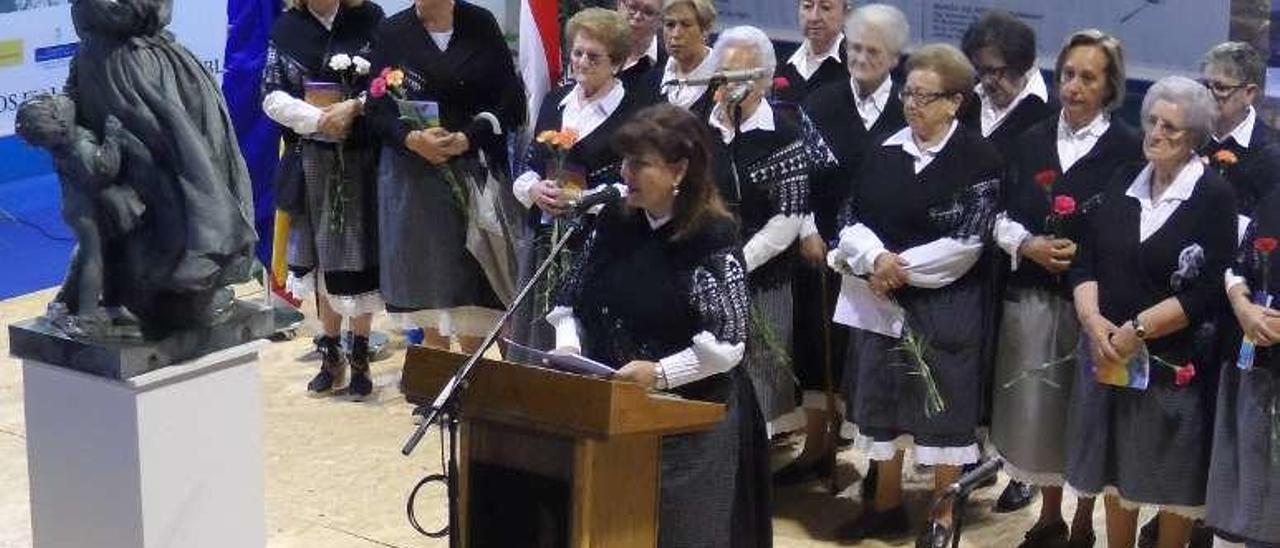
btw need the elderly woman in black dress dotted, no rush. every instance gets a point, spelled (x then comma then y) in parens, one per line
(921, 205)
(764, 160)
(1148, 285)
(1245, 468)
(1072, 155)
(851, 116)
(660, 290)
(451, 54)
(333, 247)
(686, 25)
(593, 107)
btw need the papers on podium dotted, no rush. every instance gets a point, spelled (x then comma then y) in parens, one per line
(569, 363)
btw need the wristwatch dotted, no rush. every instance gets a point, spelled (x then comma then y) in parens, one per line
(1139, 329)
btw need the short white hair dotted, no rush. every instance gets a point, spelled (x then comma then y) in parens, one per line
(748, 37)
(1194, 99)
(890, 21)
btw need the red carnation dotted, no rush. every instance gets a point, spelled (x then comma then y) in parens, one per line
(1184, 374)
(1064, 206)
(1265, 245)
(781, 84)
(1045, 178)
(378, 88)
(384, 73)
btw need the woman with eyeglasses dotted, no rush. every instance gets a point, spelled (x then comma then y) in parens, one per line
(1243, 147)
(593, 107)
(1148, 285)
(1070, 155)
(646, 57)
(660, 290)
(920, 206)
(764, 157)
(333, 251)
(686, 25)
(449, 59)
(852, 116)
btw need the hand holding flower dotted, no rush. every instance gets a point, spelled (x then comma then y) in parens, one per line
(1053, 254)
(546, 194)
(1259, 323)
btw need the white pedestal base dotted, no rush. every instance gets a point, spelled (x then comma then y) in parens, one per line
(171, 458)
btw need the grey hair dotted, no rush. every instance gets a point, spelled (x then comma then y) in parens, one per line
(751, 37)
(1238, 60)
(1194, 100)
(887, 19)
(1111, 49)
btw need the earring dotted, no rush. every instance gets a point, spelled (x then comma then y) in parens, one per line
(675, 190)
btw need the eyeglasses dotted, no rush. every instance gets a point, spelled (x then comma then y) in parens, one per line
(637, 9)
(996, 73)
(922, 98)
(589, 58)
(1159, 126)
(1222, 90)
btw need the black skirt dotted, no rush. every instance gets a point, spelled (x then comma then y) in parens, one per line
(1244, 474)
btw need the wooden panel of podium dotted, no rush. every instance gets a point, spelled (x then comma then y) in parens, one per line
(553, 459)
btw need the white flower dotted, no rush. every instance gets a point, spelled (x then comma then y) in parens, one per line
(361, 64)
(340, 62)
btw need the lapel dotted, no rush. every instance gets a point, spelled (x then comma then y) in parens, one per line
(892, 112)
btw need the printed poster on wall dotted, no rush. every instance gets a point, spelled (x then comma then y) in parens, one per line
(37, 41)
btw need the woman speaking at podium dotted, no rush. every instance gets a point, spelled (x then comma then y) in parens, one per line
(660, 290)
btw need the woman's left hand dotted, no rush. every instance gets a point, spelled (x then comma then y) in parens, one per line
(814, 250)
(458, 144)
(337, 119)
(643, 373)
(1125, 340)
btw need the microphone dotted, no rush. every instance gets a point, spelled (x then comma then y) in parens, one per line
(605, 195)
(719, 78)
(967, 482)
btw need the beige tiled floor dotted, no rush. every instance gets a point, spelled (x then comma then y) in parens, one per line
(335, 476)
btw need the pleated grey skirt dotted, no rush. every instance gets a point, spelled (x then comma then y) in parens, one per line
(1035, 369)
(316, 238)
(768, 358)
(889, 404)
(425, 264)
(1244, 481)
(715, 484)
(1148, 447)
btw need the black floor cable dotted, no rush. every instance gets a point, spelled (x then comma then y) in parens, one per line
(443, 479)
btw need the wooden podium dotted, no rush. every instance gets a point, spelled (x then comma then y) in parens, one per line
(554, 459)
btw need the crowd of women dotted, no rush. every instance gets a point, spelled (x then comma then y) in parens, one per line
(998, 263)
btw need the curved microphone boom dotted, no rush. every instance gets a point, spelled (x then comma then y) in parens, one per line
(720, 78)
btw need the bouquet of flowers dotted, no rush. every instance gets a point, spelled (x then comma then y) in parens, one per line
(916, 347)
(349, 69)
(419, 115)
(559, 143)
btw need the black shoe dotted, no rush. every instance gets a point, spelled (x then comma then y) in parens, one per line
(1053, 535)
(1150, 533)
(935, 535)
(333, 367)
(888, 524)
(1083, 540)
(797, 472)
(360, 386)
(869, 483)
(1016, 496)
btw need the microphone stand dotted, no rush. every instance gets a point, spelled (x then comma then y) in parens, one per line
(958, 493)
(447, 407)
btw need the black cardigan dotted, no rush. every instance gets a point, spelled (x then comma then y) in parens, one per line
(474, 74)
(954, 196)
(830, 71)
(834, 112)
(644, 78)
(1254, 176)
(1029, 112)
(1134, 276)
(1025, 201)
(300, 48)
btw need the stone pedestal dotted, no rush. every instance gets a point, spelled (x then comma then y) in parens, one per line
(169, 458)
